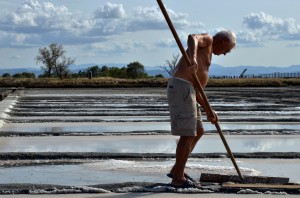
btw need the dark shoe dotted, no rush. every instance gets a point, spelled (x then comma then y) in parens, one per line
(185, 175)
(187, 184)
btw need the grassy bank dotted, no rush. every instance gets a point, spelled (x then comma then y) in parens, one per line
(151, 82)
(81, 82)
(254, 82)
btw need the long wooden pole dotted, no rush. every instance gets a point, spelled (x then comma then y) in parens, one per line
(198, 84)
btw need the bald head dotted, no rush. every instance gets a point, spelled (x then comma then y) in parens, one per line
(227, 35)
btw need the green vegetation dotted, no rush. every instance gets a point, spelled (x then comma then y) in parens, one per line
(81, 82)
(133, 70)
(143, 82)
(56, 64)
(54, 61)
(19, 75)
(254, 82)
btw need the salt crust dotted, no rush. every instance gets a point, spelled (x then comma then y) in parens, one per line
(162, 189)
(249, 191)
(83, 189)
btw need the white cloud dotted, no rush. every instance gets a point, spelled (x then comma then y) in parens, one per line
(293, 45)
(152, 18)
(44, 19)
(110, 11)
(15, 57)
(262, 28)
(35, 17)
(17, 40)
(37, 23)
(270, 25)
(169, 42)
(119, 47)
(250, 38)
(166, 43)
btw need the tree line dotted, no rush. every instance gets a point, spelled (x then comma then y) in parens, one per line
(19, 75)
(133, 70)
(54, 63)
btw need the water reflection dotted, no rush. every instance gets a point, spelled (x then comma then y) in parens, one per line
(117, 171)
(148, 144)
(272, 143)
(137, 126)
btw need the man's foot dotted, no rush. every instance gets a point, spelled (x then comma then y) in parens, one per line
(185, 175)
(186, 184)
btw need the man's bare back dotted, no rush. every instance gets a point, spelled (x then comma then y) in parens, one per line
(200, 54)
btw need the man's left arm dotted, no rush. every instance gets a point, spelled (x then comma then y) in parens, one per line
(212, 118)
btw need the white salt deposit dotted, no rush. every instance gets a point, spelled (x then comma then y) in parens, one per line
(162, 189)
(248, 191)
(275, 193)
(81, 189)
(165, 166)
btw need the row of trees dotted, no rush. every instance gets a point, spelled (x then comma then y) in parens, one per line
(54, 63)
(132, 70)
(19, 75)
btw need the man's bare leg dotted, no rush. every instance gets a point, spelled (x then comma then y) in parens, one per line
(182, 153)
(200, 132)
(195, 139)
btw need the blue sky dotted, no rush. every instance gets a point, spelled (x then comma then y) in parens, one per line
(116, 31)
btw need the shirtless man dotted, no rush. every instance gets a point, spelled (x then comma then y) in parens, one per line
(183, 97)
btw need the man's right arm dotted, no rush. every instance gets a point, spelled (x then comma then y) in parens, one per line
(194, 41)
(193, 47)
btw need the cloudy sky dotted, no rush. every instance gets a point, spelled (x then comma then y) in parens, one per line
(123, 31)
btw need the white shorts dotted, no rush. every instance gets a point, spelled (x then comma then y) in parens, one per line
(184, 111)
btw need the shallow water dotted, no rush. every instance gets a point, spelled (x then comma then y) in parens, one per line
(123, 127)
(148, 144)
(117, 171)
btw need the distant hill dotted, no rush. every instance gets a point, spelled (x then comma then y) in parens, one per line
(215, 69)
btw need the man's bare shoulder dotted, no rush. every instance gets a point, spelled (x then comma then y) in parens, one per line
(203, 40)
(208, 39)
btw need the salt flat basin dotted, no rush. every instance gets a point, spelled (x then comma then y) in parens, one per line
(43, 119)
(121, 127)
(117, 171)
(94, 91)
(148, 144)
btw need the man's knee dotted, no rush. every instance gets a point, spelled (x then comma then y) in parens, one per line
(200, 132)
(186, 139)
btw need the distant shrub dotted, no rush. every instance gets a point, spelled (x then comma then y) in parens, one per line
(6, 75)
